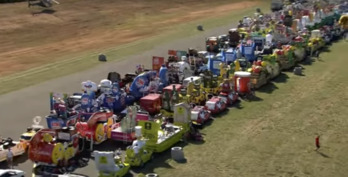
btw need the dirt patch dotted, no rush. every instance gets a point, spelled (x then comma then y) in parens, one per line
(33, 37)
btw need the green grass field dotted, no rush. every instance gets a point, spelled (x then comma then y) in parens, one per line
(275, 134)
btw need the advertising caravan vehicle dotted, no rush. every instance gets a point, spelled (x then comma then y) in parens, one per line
(31, 131)
(144, 84)
(210, 84)
(227, 93)
(216, 105)
(197, 80)
(97, 127)
(285, 57)
(200, 115)
(178, 71)
(161, 139)
(17, 147)
(248, 50)
(11, 173)
(242, 83)
(212, 44)
(299, 48)
(315, 42)
(151, 103)
(109, 166)
(137, 154)
(116, 77)
(61, 113)
(54, 148)
(125, 130)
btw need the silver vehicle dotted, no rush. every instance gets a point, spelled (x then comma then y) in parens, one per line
(11, 173)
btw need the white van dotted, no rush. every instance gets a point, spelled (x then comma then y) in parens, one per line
(196, 79)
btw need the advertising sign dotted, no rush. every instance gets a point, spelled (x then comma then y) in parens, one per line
(157, 62)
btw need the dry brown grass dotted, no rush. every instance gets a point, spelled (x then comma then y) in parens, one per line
(31, 37)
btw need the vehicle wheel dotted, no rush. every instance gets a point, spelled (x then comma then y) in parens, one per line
(37, 170)
(151, 175)
(141, 164)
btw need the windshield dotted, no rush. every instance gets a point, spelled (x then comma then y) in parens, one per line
(194, 115)
(223, 98)
(210, 105)
(185, 83)
(25, 137)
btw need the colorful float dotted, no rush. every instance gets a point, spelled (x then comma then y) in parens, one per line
(125, 130)
(17, 147)
(109, 166)
(216, 105)
(162, 138)
(137, 154)
(200, 115)
(97, 127)
(54, 148)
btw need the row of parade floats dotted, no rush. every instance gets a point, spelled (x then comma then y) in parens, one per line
(152, 110)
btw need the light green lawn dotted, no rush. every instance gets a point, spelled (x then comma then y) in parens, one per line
(275, 136)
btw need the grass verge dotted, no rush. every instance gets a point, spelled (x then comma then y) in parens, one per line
(275, 134)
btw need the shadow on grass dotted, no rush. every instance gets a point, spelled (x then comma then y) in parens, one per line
(268, 88)
(221, 114)
(111, 145)
(206, 124)
(326, 48)
(44, 11)
(308, 61)
(281, 78)
(323, 154)
(161, 160)
(237, 105)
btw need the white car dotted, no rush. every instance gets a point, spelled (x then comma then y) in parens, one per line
(11, 173)
(18, 148)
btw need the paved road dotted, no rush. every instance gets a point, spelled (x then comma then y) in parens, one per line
(19, 107)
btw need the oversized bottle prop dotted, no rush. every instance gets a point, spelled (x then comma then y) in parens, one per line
(175, 98)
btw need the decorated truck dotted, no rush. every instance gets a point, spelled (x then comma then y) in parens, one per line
(212, 44)
(151, 103)
(211, 84)
(145, 83)
(163, 136)
(109, 166)
(137, 154)
(216, 105)
(125, 130)
(60, 113)
(285, 57)
(200, 115)
(227, 93)
(53, 151)
(97, 127)
(17, 147)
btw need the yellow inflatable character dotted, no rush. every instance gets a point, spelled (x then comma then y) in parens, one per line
(344, 22)
(237, 65)
(99, 133)
(57, 153)
(223, 72)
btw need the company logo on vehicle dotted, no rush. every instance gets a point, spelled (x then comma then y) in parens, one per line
(55, 125)
(123, 101)
(140, 82)
(109, 100)
(84, 101)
